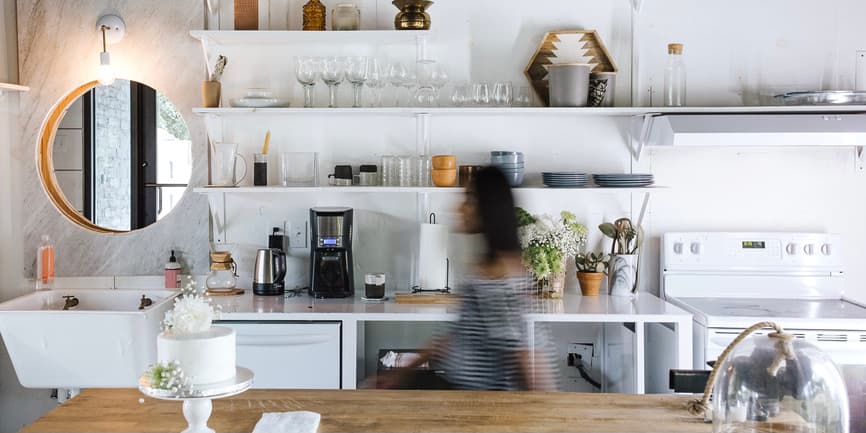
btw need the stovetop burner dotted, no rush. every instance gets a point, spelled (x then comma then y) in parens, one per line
(777, 308)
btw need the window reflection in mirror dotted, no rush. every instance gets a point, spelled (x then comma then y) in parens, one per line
(122, 155)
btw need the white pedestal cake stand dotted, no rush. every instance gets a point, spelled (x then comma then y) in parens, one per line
(197, 405)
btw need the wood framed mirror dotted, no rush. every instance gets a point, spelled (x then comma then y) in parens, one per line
(115, 158)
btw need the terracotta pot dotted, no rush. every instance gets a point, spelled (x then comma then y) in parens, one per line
(590, 282)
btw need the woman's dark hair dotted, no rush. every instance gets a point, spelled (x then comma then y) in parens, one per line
(495, 205)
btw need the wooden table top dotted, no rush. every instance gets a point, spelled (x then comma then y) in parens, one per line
(127, 410)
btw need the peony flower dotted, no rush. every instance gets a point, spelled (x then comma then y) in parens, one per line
(191, 314)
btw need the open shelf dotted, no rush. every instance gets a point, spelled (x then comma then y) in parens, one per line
(397, 189)
(523, 111)
(285, 37)
(9, 87)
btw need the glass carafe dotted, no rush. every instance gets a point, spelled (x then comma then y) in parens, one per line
(223, 271)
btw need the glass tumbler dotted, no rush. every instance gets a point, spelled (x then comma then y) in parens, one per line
(503, 94)
(390, 170)
(406, 176)
(422, 171)
(481, 94)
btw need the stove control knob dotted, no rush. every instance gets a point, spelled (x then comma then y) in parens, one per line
(678, 248)
(791, 249)
(809, 249)
(695, 248)
(825, 249)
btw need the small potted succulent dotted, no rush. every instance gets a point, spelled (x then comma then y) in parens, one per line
(624, 255)
(590, 272)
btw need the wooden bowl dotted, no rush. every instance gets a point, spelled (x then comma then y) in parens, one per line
(444, 177)
(444, 162)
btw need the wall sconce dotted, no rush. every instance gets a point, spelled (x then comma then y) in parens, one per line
(112, 29)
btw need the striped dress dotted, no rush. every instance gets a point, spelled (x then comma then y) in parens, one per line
(481, 350)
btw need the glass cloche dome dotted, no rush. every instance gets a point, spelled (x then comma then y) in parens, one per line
(777, 383)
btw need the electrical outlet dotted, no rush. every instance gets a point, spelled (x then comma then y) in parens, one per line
(585, 352)
(297, 234)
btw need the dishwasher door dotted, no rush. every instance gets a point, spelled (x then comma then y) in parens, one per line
(289, 355)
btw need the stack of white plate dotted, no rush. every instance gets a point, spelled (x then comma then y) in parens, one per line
(565, 179)
(623, 180)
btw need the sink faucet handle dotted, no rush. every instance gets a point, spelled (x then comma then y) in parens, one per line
(145, 302)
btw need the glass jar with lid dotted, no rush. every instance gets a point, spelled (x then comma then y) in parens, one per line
(345, 16)
(223, 272)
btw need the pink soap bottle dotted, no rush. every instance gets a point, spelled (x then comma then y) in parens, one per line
(172, 272)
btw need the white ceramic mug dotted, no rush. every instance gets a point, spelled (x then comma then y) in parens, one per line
(224, 171)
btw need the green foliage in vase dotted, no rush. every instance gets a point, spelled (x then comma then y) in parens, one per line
(548, 241)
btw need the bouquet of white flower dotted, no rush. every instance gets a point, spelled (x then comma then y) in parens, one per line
(548, 241)
(192, 313)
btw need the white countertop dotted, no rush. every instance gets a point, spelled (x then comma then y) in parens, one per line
(573, 308)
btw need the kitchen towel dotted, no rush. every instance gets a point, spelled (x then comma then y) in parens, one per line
(433, 256)
(288, 422)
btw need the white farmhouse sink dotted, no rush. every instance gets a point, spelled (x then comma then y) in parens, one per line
(105, 342)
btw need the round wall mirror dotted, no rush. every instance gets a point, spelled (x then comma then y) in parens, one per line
(115, 158)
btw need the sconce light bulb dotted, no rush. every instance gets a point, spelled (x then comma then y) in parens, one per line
(106, 72)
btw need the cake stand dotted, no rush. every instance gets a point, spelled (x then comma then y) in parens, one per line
(197, 404)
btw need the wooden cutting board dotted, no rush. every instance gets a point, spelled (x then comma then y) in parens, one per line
(427, 298)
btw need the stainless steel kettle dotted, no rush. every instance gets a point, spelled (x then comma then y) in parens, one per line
(270, 272)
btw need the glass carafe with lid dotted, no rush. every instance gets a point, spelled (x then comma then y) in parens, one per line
(223, 271)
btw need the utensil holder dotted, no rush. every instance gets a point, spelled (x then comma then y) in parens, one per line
(210, 94)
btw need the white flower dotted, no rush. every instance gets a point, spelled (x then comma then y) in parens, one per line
(190, 314)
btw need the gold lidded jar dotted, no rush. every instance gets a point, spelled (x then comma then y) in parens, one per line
(345, 16)
(412, 15)
(223, 272)
(314, 15)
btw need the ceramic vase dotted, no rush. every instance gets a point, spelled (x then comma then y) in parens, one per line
(623, 274)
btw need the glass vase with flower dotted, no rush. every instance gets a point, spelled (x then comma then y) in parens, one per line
(548, 242)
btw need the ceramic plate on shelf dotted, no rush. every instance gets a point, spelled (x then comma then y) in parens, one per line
(260, 103)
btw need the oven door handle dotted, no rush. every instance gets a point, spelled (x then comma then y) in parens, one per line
(283, 340)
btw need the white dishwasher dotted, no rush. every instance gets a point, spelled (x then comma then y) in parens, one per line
(289, 355)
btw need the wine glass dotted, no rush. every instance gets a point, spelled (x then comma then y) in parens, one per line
(425, 92)
(356, 73)
(333, 73)
(307, 72)
(410, 83)
(438, 78)
(376, 80)
(397, 75)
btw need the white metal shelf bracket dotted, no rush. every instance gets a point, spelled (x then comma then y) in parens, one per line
(217, 204)
(641, 129)
(858, 158)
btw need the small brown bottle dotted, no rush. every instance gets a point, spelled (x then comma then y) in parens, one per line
(314, 15)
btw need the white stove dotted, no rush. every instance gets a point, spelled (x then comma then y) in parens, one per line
(730, 281)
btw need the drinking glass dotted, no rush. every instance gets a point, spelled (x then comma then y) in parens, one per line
(406, 174)
(376, 80)
(422, 171)
(502, 93)
(397, 75)
(307, 72)
(524, 97)
(410, 83)
(299, 168)
(481, 94)
(224, 163)
(333, 73)
(460, 95)
(390, 170)
(356, 73)
(438, 78)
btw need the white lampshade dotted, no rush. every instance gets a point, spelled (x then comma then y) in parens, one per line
(106, 72)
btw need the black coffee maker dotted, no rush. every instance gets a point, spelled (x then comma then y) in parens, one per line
(331, 252)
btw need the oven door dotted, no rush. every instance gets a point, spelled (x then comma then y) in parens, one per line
(844, 347)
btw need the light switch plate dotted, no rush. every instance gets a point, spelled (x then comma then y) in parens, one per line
(297, 232)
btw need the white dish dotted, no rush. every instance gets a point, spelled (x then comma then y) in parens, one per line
(259, 102)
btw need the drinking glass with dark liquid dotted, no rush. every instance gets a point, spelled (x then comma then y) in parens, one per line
(374, 286)
(260, 169)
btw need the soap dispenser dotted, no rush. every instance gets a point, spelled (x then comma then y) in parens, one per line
(45, 264)
(172, 272)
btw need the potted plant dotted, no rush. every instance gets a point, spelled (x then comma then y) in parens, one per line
(623, 263)
(547, 243)
(590, 272)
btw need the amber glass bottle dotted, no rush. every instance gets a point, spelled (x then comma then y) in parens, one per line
(314, 15)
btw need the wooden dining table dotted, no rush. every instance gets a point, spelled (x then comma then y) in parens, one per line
(385, 411)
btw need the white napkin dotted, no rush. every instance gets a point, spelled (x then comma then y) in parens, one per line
(288, 422)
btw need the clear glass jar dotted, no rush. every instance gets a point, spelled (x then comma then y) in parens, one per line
(345, 16)
(223, 271)
(675, 77)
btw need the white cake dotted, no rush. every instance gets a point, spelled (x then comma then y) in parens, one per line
(205, 357)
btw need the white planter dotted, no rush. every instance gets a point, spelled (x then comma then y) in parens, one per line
(623, 274)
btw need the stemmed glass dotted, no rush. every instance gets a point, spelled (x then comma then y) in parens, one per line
(357, 74)
(376, 80)
(425, 92)
(438, 78)
(333, 73)
(397, 76)
(307, 71)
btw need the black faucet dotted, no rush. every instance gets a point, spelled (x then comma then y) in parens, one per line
(71, 302)
(145, 302)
